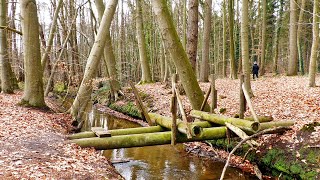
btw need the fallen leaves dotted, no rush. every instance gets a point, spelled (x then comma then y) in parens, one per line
(32, 146)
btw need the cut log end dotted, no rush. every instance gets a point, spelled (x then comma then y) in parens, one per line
(255, 126)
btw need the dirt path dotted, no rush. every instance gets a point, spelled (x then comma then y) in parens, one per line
(33, 146)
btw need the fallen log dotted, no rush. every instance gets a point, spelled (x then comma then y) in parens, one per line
(118, 132)
(148, 139)
(195, 127)
(218, 119)
(262, 119)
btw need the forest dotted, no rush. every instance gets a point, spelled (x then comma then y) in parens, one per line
(162, 65)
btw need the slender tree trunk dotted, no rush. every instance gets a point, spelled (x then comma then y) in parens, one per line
(204, 68)
(293, 62)
(233, 70)
(315, 45)
(299, 31)
(84, 93)
(53, 28)
(184, 24)
(245, 46)
(33, 88)
(145, 67)
(178, 55)
(276, 39)
(263, 37)
(192, 32)
(224, 40)
(6, 78)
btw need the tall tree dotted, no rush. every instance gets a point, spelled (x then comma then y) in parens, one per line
(33, 88)
(263, 36)
(245, 45)
(293, 61)
(6, 80)
(192, 32)
(276, 39)
(233, 70)
(299, 31)
(224, 39)
(204, 68)
(85, 89)
(145, 67)
(315, 44)
(178, 55)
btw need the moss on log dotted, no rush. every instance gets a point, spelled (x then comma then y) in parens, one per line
(196, 127)
(218, 119)
(118, 132)
(148, 139)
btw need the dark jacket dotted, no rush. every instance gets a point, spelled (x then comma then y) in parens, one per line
(255, 69)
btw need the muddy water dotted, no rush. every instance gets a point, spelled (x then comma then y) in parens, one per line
(157, 162)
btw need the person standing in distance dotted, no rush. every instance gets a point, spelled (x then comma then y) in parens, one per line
(255, 69)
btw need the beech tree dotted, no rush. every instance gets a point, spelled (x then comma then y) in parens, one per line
(33, 88)
(6, 76)
(192, 32)
(315, 45)
(293, 62)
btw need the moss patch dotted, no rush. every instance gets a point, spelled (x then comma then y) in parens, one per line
(128, 108)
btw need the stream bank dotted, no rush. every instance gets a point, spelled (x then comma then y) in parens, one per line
(292, 155)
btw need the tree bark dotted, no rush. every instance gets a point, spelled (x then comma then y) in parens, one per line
(276, 39)
(293, 62)
(315, 45)
(192, 32)
(178, 55)
(233, 70)
(204, 68)
(224, 39)
(145, 67)
(33, 88)
(6, 79)
(85, 90)
(246, 68)
(263, 37)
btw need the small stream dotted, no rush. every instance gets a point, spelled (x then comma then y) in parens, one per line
(163, 162)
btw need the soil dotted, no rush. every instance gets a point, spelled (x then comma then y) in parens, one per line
(33, 146)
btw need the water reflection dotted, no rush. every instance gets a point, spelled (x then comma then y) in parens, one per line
(163, 162)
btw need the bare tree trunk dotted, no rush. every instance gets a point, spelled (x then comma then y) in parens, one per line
(178, 55)
(6, 78)
(192, 32)
(299, 31)
(245, 46)
(224, 40)
(263, 37)
(84, 93)
(293, 62)
(33, 88)
(53, 28)
(315, 45)
(204, 68)
(233, 70)
(145, 67)
(276, 39)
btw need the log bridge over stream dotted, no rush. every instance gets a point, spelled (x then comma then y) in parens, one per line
(166, 130)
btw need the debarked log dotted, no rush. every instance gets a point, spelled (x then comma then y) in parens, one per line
(118, 132)
(218, 119)
(195, 127)
(148, 139)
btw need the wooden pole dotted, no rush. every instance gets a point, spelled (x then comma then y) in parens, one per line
(205, 100)
(183, 114)
(242, 99)
(174, 111)
(140, 105)
(213, 93)
(247, 96)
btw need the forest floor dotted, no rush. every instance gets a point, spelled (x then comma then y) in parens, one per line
(33, 146)
(283, 98)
